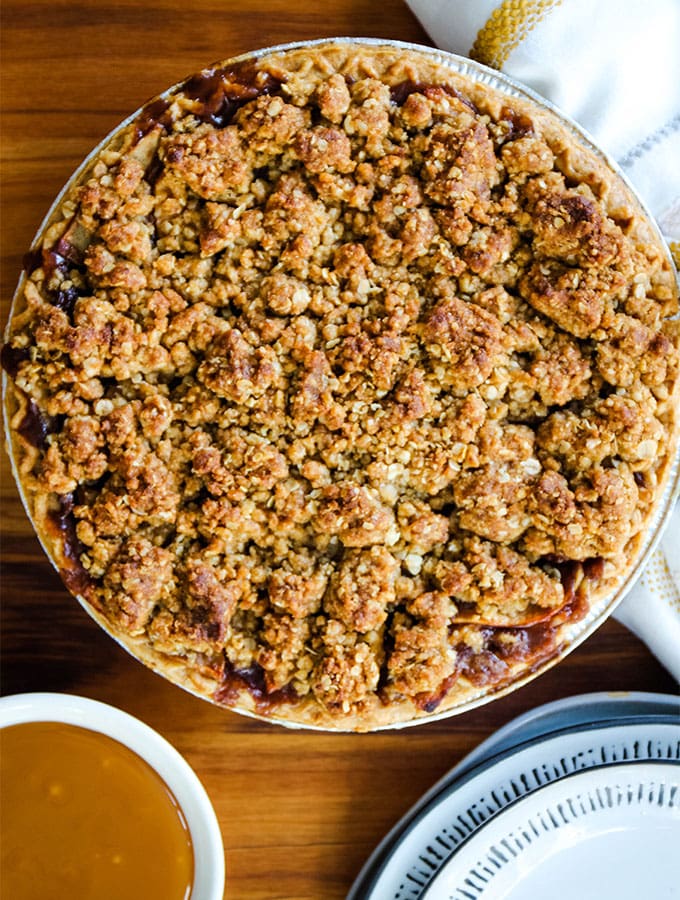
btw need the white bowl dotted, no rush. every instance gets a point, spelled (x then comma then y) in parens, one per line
(157, 752)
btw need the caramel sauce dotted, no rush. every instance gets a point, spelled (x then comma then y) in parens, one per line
(59, 258)
(399, 93)
(578, 580)
(153, 114)
(32, 260)
(480, 667)
(53, 262)
(67, 251)
(532, 644)
(570, 573)
(594, 569)
(35, 427)
(429, 702)
(85, 818)
(12, 357)
(519, 125)
(65, 299)
(251, 679)
(578, 603)
(63, 523)
(221, 92)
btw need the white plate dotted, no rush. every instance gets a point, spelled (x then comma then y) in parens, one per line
(605, 832)
(569, 712)
(415, 851)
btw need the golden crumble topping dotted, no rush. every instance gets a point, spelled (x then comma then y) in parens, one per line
(341, 384)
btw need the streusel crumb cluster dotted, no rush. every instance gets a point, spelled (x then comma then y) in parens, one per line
(343, 387)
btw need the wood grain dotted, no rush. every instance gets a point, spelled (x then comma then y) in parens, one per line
(299, 811)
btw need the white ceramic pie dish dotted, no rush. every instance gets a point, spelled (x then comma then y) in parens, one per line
(177, 774)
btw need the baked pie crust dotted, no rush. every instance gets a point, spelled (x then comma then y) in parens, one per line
(341, 385)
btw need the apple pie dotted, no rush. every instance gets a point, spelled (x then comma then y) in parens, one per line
(341, 384)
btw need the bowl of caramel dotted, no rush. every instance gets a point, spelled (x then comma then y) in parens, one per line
(96, 804)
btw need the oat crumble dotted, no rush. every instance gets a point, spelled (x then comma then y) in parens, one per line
(341, 383)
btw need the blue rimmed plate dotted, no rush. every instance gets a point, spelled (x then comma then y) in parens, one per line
(536, 749)
(610, 831)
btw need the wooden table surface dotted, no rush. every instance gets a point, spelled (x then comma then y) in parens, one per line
(299, 811)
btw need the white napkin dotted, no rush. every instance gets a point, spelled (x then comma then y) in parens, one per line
(651, 608)
(615, 68)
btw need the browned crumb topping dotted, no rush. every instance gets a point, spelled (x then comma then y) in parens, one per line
(336, 381)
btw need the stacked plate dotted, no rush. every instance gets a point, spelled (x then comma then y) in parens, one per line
(577, 799)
